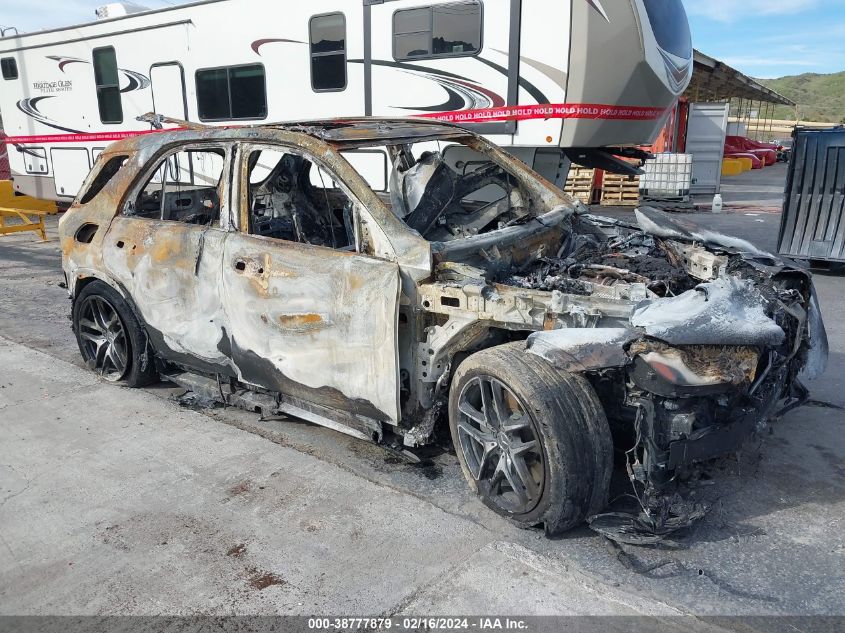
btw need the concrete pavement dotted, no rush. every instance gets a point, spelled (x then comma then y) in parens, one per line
(116, 501)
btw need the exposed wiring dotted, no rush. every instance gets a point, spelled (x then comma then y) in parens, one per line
(628, 467)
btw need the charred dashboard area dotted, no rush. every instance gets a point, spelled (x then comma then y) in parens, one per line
(585, 259)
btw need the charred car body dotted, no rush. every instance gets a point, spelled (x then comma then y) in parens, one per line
(257, 267)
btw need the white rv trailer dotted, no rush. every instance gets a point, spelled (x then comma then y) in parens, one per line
(538, 76)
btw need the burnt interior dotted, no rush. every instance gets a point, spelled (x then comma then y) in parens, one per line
(587, 257)
(185, 187)
(443, 201)
(291, 198)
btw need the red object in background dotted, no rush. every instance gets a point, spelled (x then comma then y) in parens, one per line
(733, 152)
(664, 141)
(766, 152)
(5, 171)
(683, 120)
(673, 136)
(747, 142)
(770, 156)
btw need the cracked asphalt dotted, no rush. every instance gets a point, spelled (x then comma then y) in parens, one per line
(119, 501)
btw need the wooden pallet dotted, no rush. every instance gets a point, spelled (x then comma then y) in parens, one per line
(620, 191)
(579, 184)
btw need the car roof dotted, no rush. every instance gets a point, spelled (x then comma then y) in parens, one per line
(344, 133)
(372, 128)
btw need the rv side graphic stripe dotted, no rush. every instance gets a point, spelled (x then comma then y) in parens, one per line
(550, 111)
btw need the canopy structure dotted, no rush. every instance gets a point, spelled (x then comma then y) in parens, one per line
(752, 104)
(713, 80)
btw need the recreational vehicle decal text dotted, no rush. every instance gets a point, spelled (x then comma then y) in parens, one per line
(52, 86)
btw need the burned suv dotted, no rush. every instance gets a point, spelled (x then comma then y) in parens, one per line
(389, 277)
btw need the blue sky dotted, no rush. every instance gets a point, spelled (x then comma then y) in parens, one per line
(762, 38)
(771, 38)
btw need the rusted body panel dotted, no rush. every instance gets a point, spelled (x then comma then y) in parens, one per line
(172, 273)
(308, 315)
(324, 319)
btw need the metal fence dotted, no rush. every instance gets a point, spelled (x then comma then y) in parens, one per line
(813, 221)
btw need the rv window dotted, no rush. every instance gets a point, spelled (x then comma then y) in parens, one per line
(249, 96)
(446, 30)
(670, 25)
(234, 92)
(107, 81)
(328, 52)
(101, 180)
(183, 188)
(10, 67)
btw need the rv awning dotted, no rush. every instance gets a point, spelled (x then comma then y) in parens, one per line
(713, 80)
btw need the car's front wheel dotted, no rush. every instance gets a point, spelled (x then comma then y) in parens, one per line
(533, 442)
(110, 338)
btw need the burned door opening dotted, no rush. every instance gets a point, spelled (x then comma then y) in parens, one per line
(310, 318)
(165, 248)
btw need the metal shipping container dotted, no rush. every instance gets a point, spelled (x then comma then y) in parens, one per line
(706, 129)
(813, 222)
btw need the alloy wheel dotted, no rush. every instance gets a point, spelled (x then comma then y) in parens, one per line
(500, 445)
(103, 338)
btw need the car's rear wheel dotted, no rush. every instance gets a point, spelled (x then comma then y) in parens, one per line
(533, 442)
(110, 338)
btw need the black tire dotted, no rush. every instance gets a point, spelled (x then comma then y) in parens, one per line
(567, 420)
(601, 441)
(138, 369)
